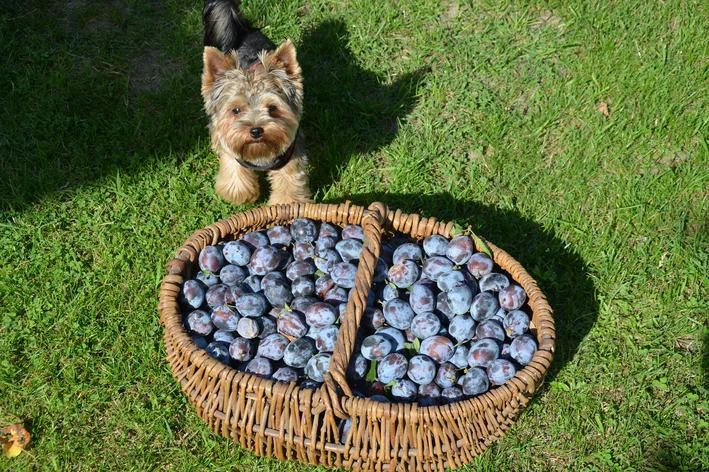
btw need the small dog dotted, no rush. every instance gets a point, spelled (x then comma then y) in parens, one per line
(253, 96)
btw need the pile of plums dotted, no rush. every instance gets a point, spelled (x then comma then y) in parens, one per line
(442, 322)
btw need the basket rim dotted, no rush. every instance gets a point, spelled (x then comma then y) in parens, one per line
(525, 380)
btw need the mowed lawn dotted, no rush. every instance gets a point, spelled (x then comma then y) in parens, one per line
(573, 134)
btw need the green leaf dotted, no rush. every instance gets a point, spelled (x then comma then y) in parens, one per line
(457, 229)
(417, 344)
(286, 307)
(372, 373)
(482, 245)
(319, 273)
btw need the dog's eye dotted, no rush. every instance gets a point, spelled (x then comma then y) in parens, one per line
(236, 111)
(272, 109)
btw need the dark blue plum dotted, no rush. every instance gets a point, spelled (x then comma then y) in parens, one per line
(475, 382)
(303, 286)
(268, 324)
(398, 313)
(285, 374)
(292, 324)
(462, 328)
(353, 232)
(211, 259)
(271, 278)
(223, 336)
(373, 319)
(443, 306)
(392, 367)
(490, 329)
(252, 305)
(242, 349)
(255, 239)
(429, 395)
(248, 328)
(326, 337)
(302, 303)
(482, 352)
(460, 249)
(279, 235)
(344, 274)
(199, 322)
(403, 390)
(480, 264)
(438, 348)
(390, 292)
(436, 266)
(320, 314)
(328, 230)
(460, 357)
(300, 268)
(273, 347)
(336, 295)
(349, 249)
(304, 230)
(323, 284)
(232, 274)
(451, 395)
(254, 282)
(500, 371)
(303, 251)
(435, 245)
(421, 298)
(359, 365)
(407, 251)
(260, 366)
(425, 325)
(264, 259)
(376, 347)
(484, 306)
(237, 253)
(278, 294)
(516, 323)
(192, 293)
(199, 341)
(318, 366)
(447, 375)
(299, 352)
(404, 273)
(422, 369)
(460, 297)
(326, 259)
(450, 279)
(219, 351)
(207, 278)
(523, 348)
(493, 282)
(511, 297)
(325, 243)
(225, 318)
(381, 271)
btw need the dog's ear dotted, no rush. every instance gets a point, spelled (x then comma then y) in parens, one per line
(284, 59)
(216, 63)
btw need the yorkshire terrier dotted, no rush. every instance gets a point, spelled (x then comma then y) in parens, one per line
(253, 96)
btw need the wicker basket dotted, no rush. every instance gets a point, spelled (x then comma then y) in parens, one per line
(281, 420)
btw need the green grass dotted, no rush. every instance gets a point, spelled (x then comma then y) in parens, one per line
(482, 112)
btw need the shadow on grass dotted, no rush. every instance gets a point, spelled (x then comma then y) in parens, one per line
(91, 89)
(348, 109)
(560, 273)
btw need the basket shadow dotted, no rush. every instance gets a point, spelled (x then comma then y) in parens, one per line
(94, 89)
(348, 109)
(558, 270)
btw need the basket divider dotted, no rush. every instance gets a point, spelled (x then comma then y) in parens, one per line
(337, 377)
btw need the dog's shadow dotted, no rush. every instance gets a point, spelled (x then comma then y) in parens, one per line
(559, 271)
(348, 109)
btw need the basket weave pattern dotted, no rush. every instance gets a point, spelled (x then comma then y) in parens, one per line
(281, 420)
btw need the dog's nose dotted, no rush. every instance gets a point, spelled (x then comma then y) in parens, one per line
(256, 132)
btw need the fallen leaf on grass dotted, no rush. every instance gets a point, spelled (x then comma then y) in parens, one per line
(14, 438)
(603, 108)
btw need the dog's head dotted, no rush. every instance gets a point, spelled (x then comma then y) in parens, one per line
(254, 113)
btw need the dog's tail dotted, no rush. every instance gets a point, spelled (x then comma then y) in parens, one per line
(224, 27)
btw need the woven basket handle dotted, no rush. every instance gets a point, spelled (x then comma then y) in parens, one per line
(372, 222)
